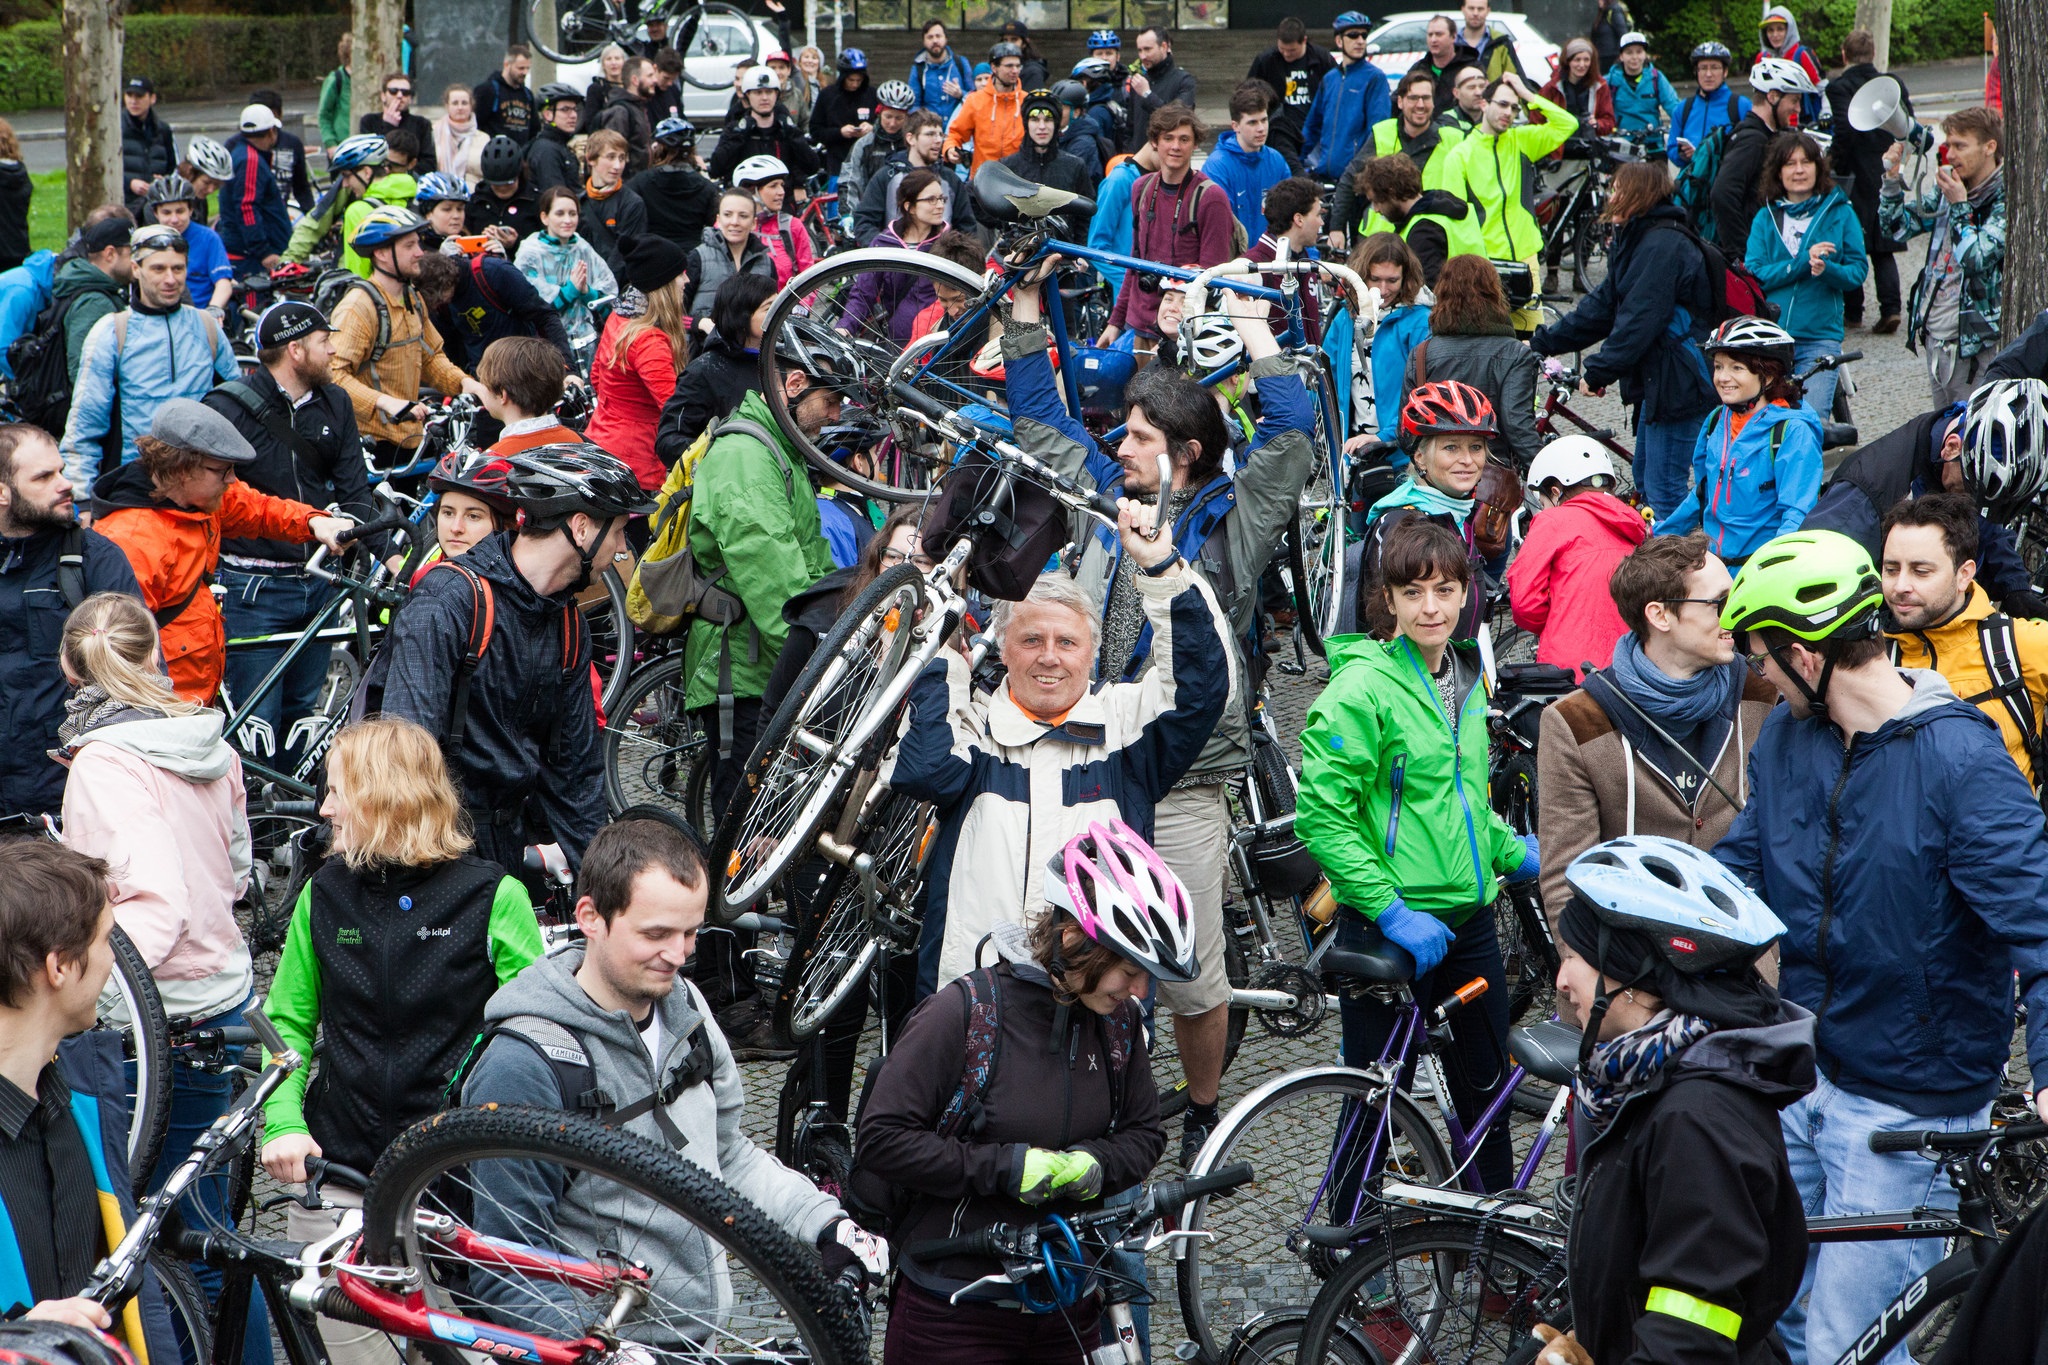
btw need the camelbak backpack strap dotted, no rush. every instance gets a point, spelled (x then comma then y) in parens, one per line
(963, 1112)
(482, 618)
(2009, 686)
(576, 1078)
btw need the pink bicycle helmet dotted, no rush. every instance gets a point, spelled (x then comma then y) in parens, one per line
(1126, 898)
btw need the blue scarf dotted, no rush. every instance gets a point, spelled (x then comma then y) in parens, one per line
(1621, 1066)
(1676, 705)
(1413, 492)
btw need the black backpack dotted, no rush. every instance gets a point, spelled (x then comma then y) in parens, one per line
(576, 1078)
(42, 374)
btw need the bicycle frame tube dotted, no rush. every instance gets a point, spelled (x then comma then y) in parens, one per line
(271, 680)
(1946, 1280)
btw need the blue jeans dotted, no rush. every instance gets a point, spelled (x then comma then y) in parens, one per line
(271, 603)
(1847, 1284)
(1663, 463)
(1820, 390)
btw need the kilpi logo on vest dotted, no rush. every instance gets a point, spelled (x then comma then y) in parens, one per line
(348, 938)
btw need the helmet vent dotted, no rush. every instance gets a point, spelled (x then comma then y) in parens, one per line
(1600, 858)
(1664, 872)
(1721, 899)
(1813, 592)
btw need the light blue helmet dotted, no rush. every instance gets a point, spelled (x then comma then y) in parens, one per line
(437, 186)
(364, 149)
(1698, 914)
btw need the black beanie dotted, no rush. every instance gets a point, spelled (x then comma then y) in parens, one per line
(651, 261)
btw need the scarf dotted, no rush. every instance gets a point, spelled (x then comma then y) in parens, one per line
(1675, 704)
(448, 139)
(591, 190)
(89, 708)
(1621, 1066)
(631, 303)
(1424, 498)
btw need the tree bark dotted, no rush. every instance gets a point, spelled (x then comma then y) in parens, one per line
(2024, 67)
(94, 35)
(1875, 18)
(379, 26)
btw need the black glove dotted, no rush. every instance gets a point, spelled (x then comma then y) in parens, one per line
(2027, 603)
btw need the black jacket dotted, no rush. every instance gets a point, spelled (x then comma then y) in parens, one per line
(519, 213)
(504, 109)
(2026, 358)
(1171, 84)
(1499, 366)
(530, 731)
(1428, 240)
(606, 220)
(1688, 1190)
(1446, 79)
(32, 687)
(627, 117)
(503, 304)
(877, 208)
(288, 164)
(1653, 269)
(1295, 83)
(15, 191)
(327, 467)
(146, 153)
(551, 161)
(679, 200)
(1860, 154)
(781, 139)
(810, 615)
(835, 108)
(1058, 170)
(708, 390)
(1734, 195)
(416, 125)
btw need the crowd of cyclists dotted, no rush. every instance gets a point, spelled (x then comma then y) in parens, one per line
(1788, 838)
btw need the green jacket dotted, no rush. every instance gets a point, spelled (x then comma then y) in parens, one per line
(98, 296)
(310, 232)
(755, 515)
(398, 189)
(335, 120)
(1500, 177)
(1391, 803)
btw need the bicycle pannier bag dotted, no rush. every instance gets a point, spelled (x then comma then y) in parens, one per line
(1015, 535)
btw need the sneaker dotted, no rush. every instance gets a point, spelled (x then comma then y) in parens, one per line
(1550, 279)
(1887, 324)
(1192, 1136)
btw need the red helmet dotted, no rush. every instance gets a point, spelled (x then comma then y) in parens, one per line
(1446, 406)
(479, 474)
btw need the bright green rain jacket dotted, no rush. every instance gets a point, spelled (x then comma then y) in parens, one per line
(1393, 803)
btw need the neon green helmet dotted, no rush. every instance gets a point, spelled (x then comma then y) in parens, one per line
(1816, 585)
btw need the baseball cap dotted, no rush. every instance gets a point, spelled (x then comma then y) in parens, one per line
(140, 85)
(257, 118)
(106, 232)
(288, 321)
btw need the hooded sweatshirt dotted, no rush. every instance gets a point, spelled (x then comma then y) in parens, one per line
(689, 1270)
(98, 295)
(1246, 176)
(680, 201)
(1558, 583)
(161, 799)
(1792, 51)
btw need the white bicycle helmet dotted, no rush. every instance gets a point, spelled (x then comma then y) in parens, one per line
(895, 95)
(210, 159)
(1210, 341)
(1126, 898)
(1698, 913)
(2005, 444)
(1777, 76)
(759, 170)
(758, 78)
(1570, 460)
(1752, 336)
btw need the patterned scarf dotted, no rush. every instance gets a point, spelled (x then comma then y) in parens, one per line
(90, 707)
(1621, 1066)
(631, 303)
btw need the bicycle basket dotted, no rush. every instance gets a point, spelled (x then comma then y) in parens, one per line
(1016, 530)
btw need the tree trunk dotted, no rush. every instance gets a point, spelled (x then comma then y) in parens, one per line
(94, 35)
(2024, 66)
(379, 26)
(1875, 18)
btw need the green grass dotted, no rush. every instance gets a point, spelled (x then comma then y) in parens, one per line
(46, 212)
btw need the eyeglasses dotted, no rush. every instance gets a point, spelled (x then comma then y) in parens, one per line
(891, 558)
(1756, 662)
(398, 90)
(1717, 603)
(938, 198)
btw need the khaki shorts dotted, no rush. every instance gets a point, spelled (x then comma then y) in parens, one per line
(1191, 830)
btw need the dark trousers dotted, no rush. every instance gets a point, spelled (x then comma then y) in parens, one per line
(1476, 1062)
(274, 603)
(843, 1030)
(718, 967)
(1884, 277)
(924, 1330)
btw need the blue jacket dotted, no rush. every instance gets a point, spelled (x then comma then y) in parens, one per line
(206, 264)
(253, 220)
(24, 292)
(928, 82)
(1912, 875)
(1111, 228)
(164, 355)
(1637, 103)
(1809, 305)
(1396, 337)
(1349, 102)
(1247, 176)
(1761, 484)
(1699, 115)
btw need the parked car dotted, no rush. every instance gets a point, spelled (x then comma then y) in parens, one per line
(1397, 43)
(713, 57)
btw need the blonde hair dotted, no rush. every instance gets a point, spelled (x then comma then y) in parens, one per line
(665, 315)
(110, 641)
(402, 807)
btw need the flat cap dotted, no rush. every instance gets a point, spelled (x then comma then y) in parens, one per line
(191, 425)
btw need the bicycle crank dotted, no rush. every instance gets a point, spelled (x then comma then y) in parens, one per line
(1306, 1014)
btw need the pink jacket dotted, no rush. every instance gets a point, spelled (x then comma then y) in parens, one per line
(161, 799)
(1558, 582)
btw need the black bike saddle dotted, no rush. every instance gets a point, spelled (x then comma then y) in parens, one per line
(1003, 196)
(1549, 1050)
(1380, 959)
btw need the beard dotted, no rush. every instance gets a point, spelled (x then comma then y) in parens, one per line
(29, 516)
(310, 373)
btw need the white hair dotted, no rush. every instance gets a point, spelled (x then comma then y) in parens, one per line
(1060, 590)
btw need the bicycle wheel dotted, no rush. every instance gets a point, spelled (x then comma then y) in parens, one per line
(822, 313)
(131, 1007)
(653, 747)
(735, 37)
(572, 30)
(801, 766)
(1273, 1338)
(721, 1282)
(1528, 957)
(1166, 1069)
(1256, 1255)
(191, 1315)
(611, 639)
(1442, 1289)
(835, 947)
(1317, 548)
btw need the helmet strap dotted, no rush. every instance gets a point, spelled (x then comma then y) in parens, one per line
(1590, 1039)
(1816, 695)
(585, 557)
(1747, 405)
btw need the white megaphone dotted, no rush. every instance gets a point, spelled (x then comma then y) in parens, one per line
(1882, 104)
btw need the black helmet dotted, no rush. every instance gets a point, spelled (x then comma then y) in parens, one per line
(1042, 101)
(1071, 93)
(554, 92)
(574, 476)
(1710, 51)
(813, 347)
(499, 164)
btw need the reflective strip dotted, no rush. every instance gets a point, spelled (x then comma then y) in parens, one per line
(1679, 1304)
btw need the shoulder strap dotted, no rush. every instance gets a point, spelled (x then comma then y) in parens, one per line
(383, 342)
(746, 426)
(166, 614)
(482, 617)
(2009, 685)
(279, 428)
(1422, 361)
(984, 1049)
(483, 284)
(71, 567)
(1777, 439)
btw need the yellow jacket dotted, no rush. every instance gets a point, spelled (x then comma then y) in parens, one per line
(1500, 177)
(412, 354)
(1955, 650)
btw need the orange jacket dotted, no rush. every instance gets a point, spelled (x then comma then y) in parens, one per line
(993, 120)
(174, 551)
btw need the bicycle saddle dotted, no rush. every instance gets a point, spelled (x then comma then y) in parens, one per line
(1549, 1050)
(1380, 959)
(1004, 196)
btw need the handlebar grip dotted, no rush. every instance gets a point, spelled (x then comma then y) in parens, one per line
(1471, 990)
(1910, 1140)
(323, 1171)
(391, 522)
(1847, 356)
(1170, 1195)
(939, 1248)
(265, 1031)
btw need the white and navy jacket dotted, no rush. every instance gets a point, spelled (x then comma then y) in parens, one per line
(1012, 790)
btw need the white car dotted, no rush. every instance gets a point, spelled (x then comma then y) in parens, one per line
(1397, 43)
(713, 57)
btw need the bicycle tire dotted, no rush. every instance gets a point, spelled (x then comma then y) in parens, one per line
(1274, 1338)
(773, 1280)
(1586, 242)
(1528, 955)
(654, 749)
(191, 1315)
(611, 639)
(548, 29)
(1166, 1072)
(1319, 527)
(1304, 605)
(812, 301)
(800, 769)
(131, 1007)
(1255, 1246)
(753, 53)
(1490, 1288)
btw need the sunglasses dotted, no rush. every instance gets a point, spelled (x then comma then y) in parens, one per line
(398, 90)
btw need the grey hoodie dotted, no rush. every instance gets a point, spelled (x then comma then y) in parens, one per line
(689, 1271)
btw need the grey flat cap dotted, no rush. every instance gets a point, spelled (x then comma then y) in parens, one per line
(191, 425)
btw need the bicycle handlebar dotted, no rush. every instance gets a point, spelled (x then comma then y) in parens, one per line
(390, 522)
(320, 1171)
(1935, 1140)
(929, 412)
(1160, 1200)
(1826, 362)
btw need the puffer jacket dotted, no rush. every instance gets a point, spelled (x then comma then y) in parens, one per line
(147, 152)
(1011, 789)
(1687, 1196)
(1393, 798)
(1496, 173)
(550, 266)
(144, 357)
(1910, 872)
(689, 1270)
(161, 799)
(1955, 649)
(711, 265)
(1499, 366)
(1973, 236)
(1809, 305)
(1349, 101)
(1639, 102)
(1758, 483)
(1245, 176)
(708, 391)
(174, 551)
(1557, 584)
(413, 358)
(991, 119)
(1065, 1080)
(680, 202)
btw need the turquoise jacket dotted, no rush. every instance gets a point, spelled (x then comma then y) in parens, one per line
(1110, 229)
(1638, 102)
(1760, 484)
(1809, 305)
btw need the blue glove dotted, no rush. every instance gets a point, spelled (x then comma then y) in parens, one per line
(1426, 937)
(1531, 864)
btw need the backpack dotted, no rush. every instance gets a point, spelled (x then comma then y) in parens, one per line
(337, 285)
(2008, 688)
(1736, 292)
(1240, 240)
(42, 373)
(1695, 189)
(576, 1078)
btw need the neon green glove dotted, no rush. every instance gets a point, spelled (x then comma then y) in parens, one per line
(1058, 1175)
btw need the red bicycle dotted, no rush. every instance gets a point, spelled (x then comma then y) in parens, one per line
(1563, 382)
